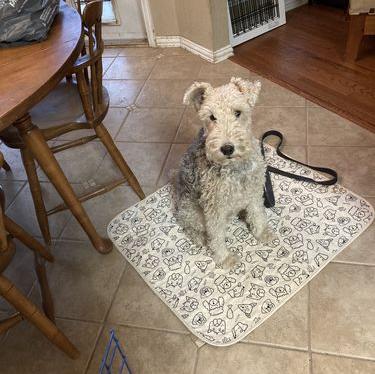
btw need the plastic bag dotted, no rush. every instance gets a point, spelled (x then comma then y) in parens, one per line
(23, 21)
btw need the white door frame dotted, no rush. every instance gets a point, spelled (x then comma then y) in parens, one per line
(149, 23)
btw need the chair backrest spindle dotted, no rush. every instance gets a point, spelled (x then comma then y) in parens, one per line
(3, 234)
(92, 60)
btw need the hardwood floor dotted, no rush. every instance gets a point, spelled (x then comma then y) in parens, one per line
(306, 56)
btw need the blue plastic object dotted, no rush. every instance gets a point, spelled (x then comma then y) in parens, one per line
(114, 356)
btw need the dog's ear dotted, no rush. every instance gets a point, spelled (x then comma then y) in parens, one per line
(195, 94)
(251, 89)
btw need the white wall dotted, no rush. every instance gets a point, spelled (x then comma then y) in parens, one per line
(131, 27)
(291, 4)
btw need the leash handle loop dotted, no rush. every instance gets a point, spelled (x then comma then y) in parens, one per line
(269, 198)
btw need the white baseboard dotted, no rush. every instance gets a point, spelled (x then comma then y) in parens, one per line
(168, 41)
(291, 4)
(207, 54)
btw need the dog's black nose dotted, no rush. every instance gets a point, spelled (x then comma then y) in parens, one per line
(227, 149)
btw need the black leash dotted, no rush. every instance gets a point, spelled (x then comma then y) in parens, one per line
(269, 198)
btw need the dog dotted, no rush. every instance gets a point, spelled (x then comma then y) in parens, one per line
(222, 174)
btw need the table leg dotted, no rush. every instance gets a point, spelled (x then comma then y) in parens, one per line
(35, 142)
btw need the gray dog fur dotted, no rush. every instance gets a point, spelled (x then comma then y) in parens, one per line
(213, 185)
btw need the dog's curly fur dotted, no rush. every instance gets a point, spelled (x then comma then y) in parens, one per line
(213, 187)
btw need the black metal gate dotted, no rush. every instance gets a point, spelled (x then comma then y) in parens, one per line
(245, 15)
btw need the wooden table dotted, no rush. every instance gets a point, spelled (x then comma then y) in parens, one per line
(27, 74)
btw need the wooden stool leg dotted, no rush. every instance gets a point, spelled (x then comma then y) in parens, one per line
(8, 323)
(36, 193)
(85, 95)
(116, 155)
(36, 317)
(40, 254)
(19, 233)
(47, 300)
(355, 35)
(34, 140)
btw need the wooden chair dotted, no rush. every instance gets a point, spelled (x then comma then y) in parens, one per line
(76, 104)
(361, 24)
(25, 308)
(76, 4)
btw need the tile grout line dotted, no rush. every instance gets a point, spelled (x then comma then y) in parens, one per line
(138, 142)
(114, 56)
(170, 144)
(122, 124)
(351, 263)
(163, 165)
(4, 180)
(311, 369)
(74, 319)
(104, 322)
(340, 146)
(91, 355)
(16, 195)
(307, 128)
(135, 326)
(347, 356)
(104, 72)
(170, 149)
(179, 124)
(272, 345)
(308, 155)
(195, 367)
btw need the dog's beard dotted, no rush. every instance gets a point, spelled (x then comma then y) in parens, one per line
(240, 137)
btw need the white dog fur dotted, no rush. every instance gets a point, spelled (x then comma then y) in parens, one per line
(223, 172)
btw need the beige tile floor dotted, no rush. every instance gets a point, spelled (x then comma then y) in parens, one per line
(327, 328)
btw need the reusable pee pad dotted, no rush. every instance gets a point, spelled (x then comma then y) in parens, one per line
(313, 224)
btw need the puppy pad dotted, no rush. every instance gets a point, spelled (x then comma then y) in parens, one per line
(313, 223)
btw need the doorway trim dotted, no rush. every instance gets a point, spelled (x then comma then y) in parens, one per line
(149, 23)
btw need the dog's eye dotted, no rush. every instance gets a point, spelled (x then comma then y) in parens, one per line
(237, 113)
(212, 118)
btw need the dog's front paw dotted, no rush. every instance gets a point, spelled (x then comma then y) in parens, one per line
(231, 261)
(219, 258)
(267, 235)
(227, 261)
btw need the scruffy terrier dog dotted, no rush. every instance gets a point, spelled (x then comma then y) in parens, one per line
(222, 174)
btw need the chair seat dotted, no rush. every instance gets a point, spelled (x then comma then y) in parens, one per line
(61, 106)
(361, 6)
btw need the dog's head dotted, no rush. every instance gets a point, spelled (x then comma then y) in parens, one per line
(226, 114)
